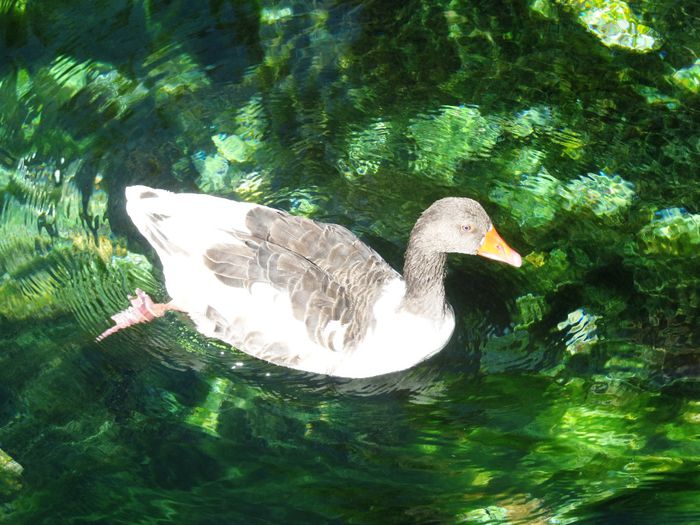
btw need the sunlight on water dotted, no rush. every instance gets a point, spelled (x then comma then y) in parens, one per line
(568, 393)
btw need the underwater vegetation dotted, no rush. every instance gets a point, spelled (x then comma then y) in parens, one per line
(57, 250)
(570, 389)
(10, 473)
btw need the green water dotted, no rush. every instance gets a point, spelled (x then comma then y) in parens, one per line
(569, 392)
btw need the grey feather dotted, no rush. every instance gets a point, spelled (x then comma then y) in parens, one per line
(329, 274)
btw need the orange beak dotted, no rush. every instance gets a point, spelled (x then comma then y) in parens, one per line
(496, 248)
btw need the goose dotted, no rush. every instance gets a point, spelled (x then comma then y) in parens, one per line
(305, 294)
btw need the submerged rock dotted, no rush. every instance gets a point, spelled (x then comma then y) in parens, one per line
(581, 331)
(213, 169)
(533, 201)
(615, 25)
(666, 263)
(612, 21)
(10, 472)
(655, 97)
(449, 136)
(232, 147)
(688, 77)
(605, 195)
(544, 8)
(672, 231)
(174, 73)
(9, 465)
(632, 361)
(367, 150)
(114, 93)
(490, 514)
(272, 15)
(530, 120)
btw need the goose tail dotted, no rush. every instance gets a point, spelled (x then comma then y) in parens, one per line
(156, 215)
(185, 223)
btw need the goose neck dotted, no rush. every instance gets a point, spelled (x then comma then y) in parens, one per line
(424, 273)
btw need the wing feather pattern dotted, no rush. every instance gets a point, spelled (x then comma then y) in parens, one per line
(331, 277)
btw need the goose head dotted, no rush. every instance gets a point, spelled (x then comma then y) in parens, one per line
(460, 225)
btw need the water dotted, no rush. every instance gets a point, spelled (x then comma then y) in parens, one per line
(569, 392)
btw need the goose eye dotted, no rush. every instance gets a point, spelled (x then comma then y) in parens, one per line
(466, 227)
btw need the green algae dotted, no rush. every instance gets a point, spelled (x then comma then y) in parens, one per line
(449, 136)
(206, 415)
(368, 150)
(231, 147)
(531, 309)
(174, 75)
(57, 251)
(10, 473)
(613, 22)
(671, 233)
(603, 194)
(688, 78)
(532, 201)
(567, 392)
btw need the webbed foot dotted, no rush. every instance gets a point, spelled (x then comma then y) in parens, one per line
(142, 310)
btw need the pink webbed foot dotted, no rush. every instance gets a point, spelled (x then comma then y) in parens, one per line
(142, 310)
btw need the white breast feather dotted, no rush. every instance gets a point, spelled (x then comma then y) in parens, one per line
(399, 341)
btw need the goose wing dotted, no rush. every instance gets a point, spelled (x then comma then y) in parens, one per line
(332, 278)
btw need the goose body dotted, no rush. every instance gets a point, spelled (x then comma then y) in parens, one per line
(305, 294)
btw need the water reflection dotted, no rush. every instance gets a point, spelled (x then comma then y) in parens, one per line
(568, 393)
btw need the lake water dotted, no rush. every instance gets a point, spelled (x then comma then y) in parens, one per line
(569, 391)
